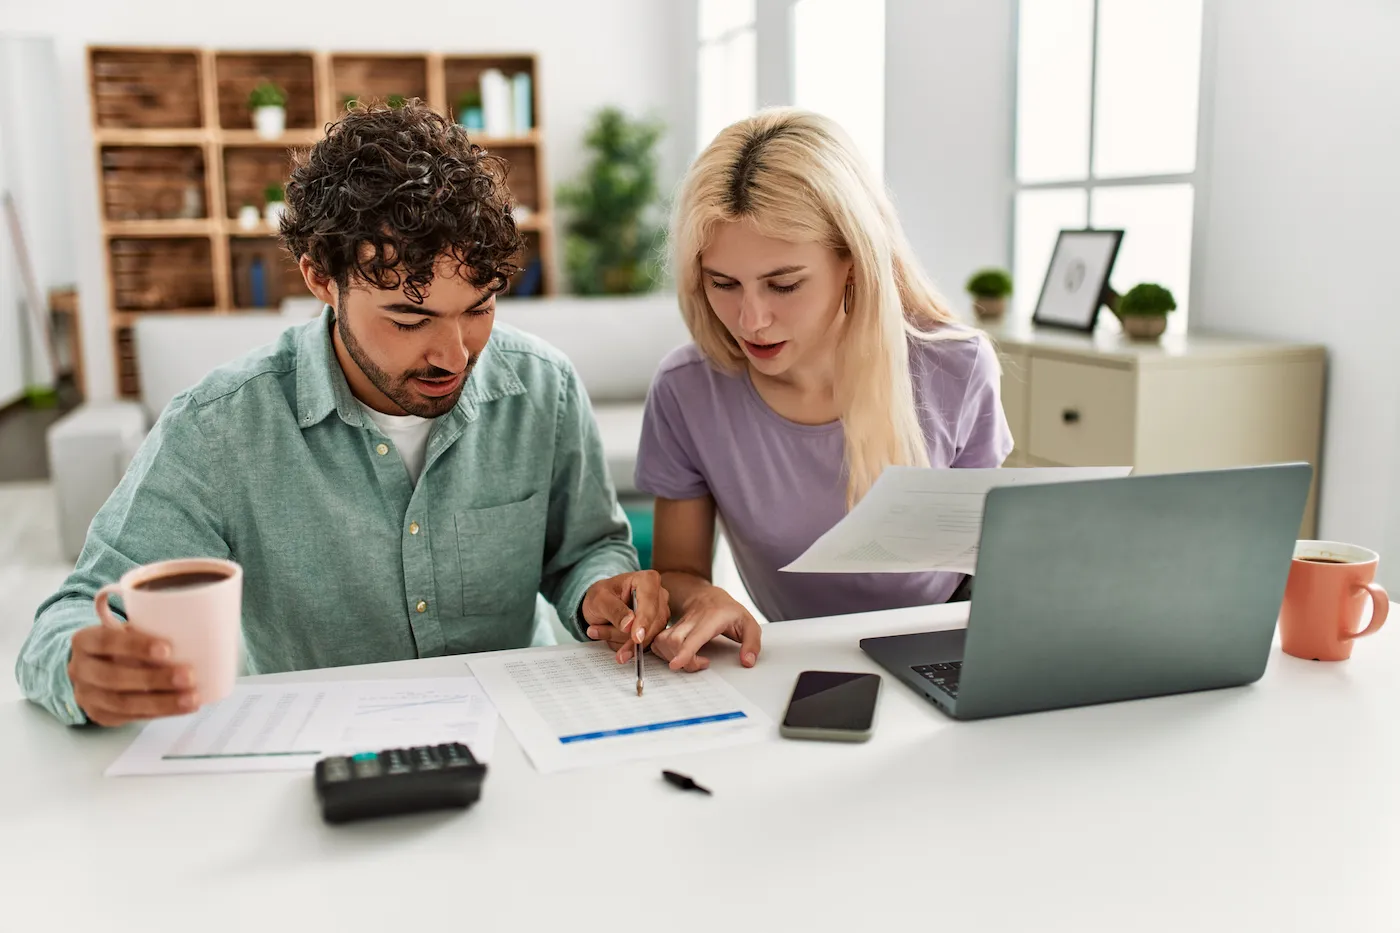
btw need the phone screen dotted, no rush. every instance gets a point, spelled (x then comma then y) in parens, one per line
(833, 700)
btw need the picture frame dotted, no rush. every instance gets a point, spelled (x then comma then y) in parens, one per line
(1076, 281)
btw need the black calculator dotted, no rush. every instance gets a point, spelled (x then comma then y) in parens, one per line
(398, 780)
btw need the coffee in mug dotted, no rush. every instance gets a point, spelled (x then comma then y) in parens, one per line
(196, 605)
(1329, 585)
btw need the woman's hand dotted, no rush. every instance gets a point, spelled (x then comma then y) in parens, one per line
(708, 612)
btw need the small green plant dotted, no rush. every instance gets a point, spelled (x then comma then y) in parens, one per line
(612, 243)
(267, 94)
(468, 99)
(349, 102)
(274, 193)
(1146, 300)
(396, 101)
(989, 283)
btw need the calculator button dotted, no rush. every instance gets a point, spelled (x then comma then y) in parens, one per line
(396, 762)
(337, 769)
(425, 759)
(367, 766)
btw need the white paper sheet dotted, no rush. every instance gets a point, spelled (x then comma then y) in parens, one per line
(575, 706)
(916, 519)
(288, 727)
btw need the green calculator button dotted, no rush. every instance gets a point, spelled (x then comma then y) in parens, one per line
(365, 756)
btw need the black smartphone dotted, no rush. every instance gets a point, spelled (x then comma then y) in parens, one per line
(833, 705)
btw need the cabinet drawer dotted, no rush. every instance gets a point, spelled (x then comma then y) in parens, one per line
(1080, 414)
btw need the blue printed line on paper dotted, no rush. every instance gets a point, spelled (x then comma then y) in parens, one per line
(651, 727)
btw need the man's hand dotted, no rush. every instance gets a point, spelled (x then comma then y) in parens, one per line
(710, 612)
(123, 674)
(608, 617)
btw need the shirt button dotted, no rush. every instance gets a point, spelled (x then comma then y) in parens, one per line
(422, 606)
(413, 528)
(382, 449)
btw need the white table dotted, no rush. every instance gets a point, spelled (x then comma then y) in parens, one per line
(1271, 807)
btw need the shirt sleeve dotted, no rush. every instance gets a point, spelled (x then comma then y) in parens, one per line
(984, 436)
(587, 538)
(668, 463)
(166, 506)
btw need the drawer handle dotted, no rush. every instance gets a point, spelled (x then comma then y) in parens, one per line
(1070, 415)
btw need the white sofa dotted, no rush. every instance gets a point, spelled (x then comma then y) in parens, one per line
(615, 343)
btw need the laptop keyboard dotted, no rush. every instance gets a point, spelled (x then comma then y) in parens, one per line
(943, 675)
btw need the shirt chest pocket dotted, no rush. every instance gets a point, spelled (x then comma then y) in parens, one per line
(501, 553)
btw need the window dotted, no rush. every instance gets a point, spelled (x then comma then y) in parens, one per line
(839, 68)
(1106, 119)
(728, 65)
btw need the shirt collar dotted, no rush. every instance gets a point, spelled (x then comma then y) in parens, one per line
(322, 387)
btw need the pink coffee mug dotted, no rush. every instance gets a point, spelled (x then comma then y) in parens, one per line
(196, 605)
(1329, 585)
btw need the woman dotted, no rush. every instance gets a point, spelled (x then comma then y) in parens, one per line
(822, 355)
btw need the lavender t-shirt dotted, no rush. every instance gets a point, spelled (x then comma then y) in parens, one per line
(779, 485)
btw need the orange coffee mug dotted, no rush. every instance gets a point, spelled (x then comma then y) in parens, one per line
(1329, 585)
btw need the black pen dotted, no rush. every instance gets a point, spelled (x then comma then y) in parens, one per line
(632, 604)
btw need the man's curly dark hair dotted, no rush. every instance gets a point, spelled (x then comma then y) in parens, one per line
(408, 183)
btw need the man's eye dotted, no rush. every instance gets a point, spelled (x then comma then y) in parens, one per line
(409, 326)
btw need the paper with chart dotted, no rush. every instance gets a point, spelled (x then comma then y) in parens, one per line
(575, 706)
(287, 727)
(916, 519)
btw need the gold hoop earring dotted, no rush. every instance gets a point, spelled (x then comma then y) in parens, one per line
(850, 296)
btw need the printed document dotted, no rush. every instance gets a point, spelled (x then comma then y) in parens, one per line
(916, 519)
(288, 727)
(575, 706)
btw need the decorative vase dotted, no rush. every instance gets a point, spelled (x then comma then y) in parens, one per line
(248, 217)
(273, 212)
(988, 308)
(472, 118)
(1144, 326)
(269, 122)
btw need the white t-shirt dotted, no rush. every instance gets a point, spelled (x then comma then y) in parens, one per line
(409, 434)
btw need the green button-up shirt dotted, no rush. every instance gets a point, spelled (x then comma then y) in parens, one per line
(270, 462)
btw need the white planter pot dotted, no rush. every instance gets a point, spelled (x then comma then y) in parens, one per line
(273, 212)
(269, 121)
(248, 217)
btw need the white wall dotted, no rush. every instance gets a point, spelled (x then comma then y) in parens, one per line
(622, 52)
(949, 99)
(31, 169)
(1299, 235)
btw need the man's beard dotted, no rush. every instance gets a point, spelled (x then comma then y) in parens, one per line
(397, 388)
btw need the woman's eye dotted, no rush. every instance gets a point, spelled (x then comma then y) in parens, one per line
(723, 286)
(784, 289)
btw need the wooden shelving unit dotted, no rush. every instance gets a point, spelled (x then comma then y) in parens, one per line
(177, 156)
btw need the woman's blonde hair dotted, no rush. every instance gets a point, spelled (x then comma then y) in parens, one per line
(796, 176)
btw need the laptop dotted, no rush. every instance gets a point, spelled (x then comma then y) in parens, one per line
(1116, 589)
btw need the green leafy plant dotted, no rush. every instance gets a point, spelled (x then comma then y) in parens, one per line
(274, 192)
(396, 101)
(613, 237)
(989, 283)
(349, 102)
(267, 94)
(1145, 300)
(468, 99)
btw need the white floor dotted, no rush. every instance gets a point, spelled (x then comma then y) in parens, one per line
(32, 568)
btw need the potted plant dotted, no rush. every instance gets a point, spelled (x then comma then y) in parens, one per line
(269, 105)
(276, 199)
(1144, 309)
(396, 101)
(348, 102)
(248, 216)
(469, 112)
(614, 231)
(989, 288)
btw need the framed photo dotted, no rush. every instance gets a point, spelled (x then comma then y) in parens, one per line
(1077, 279)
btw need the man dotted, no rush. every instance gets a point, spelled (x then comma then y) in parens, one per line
(396, 480)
